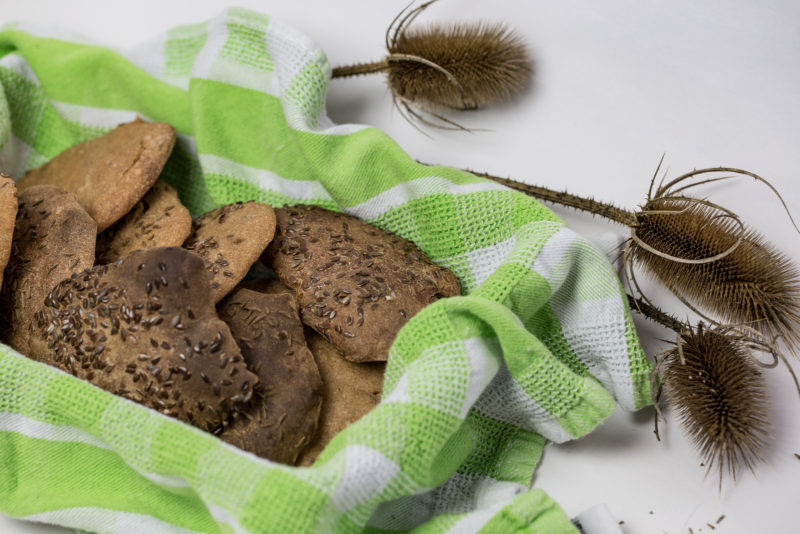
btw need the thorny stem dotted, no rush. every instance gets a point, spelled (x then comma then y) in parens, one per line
(359, 69)
(603, 209)
(656, 315)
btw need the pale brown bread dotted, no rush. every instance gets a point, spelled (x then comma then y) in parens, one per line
(357, 284)
(157, 220)
(53, 238)
(146, 328)
(109, 174)
(230, 240)
(8, 214)
(285, 410)
(349, 389)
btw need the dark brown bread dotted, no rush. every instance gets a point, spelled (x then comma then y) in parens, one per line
(357, 284)
(145, 328)
(53, 238)
(110, 173)
(286, 405)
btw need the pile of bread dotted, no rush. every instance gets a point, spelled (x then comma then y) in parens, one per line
(268, 327)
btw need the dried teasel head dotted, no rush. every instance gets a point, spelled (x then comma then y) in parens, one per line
(715, 386)
(713, 382)
(459, 66)
(489, 63)
(704, 254)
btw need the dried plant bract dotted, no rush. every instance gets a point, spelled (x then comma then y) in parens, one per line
(703, 253)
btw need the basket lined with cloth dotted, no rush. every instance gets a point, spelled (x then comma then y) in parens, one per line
(540, 346)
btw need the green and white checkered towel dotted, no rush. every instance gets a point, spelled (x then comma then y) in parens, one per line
(540, 347)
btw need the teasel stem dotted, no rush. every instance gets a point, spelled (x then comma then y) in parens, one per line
(656, 315)
(590, 205)
(360, 68)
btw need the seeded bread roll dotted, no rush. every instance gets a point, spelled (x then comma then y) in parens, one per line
(53, 238)
(357, 284)
(286, 405)
(349, 389)
(110, 173)
(157, 220)
(146, 328)
(230, 240)
(8, 214)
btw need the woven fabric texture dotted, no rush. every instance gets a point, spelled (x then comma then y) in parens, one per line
(540, 346)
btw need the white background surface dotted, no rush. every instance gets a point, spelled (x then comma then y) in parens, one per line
(617, 84)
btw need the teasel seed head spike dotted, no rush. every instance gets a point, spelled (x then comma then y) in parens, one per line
(704, 254)
(456, 66)
(714, 385)
(720, 396)
(489, 63)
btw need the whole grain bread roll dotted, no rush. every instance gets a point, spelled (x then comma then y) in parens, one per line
(157, 220)
(349, 389)
(285, 410)
(110, 173)
(357, 284)
(53, 238)
(145, 328)
(230, 240)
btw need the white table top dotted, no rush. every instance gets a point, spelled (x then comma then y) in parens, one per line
(618, 83)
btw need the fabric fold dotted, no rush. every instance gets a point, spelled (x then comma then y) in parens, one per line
(541, 345)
